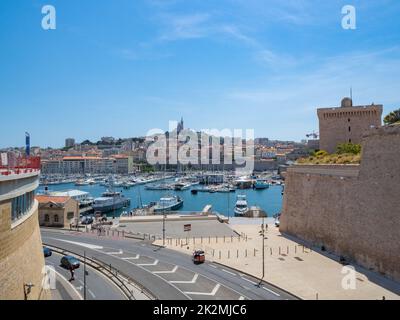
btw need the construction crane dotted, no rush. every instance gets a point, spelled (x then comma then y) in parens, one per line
(314, 135)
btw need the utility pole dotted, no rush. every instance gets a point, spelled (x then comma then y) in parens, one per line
(84, 275)
(262, 233)
(164, 217)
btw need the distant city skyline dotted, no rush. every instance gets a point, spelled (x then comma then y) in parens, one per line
(121, 70)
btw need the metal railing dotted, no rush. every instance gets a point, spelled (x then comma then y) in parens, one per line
(18, 165)
(121, 280)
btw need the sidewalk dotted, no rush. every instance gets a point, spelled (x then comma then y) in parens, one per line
(64, 290)
(289, 265)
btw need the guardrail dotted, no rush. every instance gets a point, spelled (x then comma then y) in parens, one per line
(120, 279)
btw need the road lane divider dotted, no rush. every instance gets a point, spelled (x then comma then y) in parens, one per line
(212, 293)
(170, 271)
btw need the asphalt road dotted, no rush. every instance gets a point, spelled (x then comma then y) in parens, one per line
(98, 287)
(168, 274)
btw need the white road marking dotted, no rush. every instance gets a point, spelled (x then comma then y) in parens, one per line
(191, 281)
(215, 267)
(148, 264)
(234, 274)
(116, 252)
(241, 298)
(273, 292)
(132, 258)
(86, 245)
(171, 271)
(92, 294)
(212, 293)
(248, 280)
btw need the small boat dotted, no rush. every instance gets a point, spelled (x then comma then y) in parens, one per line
(261, 184)
(180, 186)
(194, 191)
(171, 203)
(81, 182)
(241, 206)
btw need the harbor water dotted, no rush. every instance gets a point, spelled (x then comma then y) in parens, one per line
(270, 200)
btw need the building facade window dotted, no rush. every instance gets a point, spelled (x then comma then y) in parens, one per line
(21, 205)
(56, 218)
(70, 215)
(46, 218)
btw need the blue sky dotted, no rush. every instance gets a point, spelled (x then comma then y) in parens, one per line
(122, 67)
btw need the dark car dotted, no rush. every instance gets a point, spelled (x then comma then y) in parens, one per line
(69, 262)
(47, 252)
(199, 257)
(87, 220)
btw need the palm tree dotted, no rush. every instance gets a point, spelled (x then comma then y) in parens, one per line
(393, 117)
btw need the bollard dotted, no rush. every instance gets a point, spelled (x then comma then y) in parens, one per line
(216, 239)
(245, 252)
(254, 251)
(239, 238)
(220, 254)
(279, 250)
(209, 239)
(231, 238)
(270, 250)
(213, 252)
(303, 248)
(229, 254)
(224, 239)
(237, 253)
(287, 251)
(201, 239)
(295, 249)
(194, 240)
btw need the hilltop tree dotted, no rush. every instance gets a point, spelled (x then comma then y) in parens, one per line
(393, 117)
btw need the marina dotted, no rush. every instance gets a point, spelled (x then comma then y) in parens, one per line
(149, 190)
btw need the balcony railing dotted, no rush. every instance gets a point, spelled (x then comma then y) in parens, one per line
(18, 165)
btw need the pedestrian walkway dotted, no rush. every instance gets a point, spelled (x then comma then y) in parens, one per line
(288, 264)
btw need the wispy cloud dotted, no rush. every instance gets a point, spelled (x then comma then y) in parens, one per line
(178, 27)
(373, 76)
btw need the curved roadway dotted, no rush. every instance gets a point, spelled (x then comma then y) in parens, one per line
(167, 274)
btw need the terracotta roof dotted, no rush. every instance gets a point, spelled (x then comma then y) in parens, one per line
(119, 156)
(81, 158)
(46, 199)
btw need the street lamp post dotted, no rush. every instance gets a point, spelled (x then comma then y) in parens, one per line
(84, 275)
(164, 217)
(262, 233)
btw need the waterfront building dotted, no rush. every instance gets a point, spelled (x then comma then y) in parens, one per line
(77, 195)
(51, 166)
(57, 211)
(123, 164)
(21, 252)
(346, 124)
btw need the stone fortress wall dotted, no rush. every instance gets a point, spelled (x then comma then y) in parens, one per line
(354, 211)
